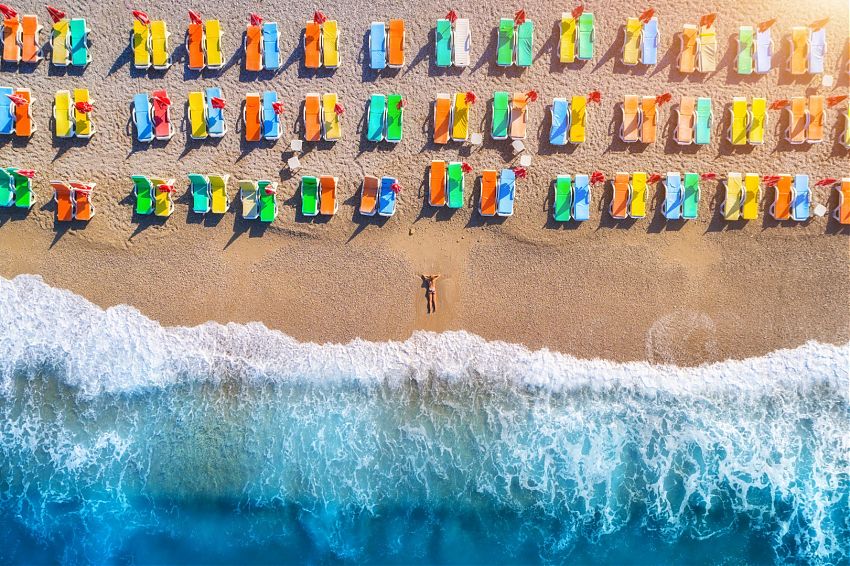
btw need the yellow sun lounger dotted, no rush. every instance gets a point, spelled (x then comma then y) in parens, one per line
(63, 118)
(750, 206)
(567, 51)
(331, 126)
(739, 121)
(212, 34)
(798, 62)
(688, 52)
(198, 116)
(814, 132)
(330, 44)
(707, 51)
(160, 56)
(649, 116)
(631, 41)
(758, 121)
(163, 203)
(637, 205)
(141, 45)
(460, 121)
(60, 38)
(83, 124)
(731, 206)
(219, 201)
(578, 119)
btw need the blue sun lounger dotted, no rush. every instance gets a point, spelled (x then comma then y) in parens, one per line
(506, 193)
(378, 46)
(673, 197)
(271, 120)
(560, 121)
(215, 116)
(376, 118)
(702, 121)
(7, 119)
(581, 198)
(649, 42)
(386, 197)
(802, 198)
(142, 118)
(271, 46)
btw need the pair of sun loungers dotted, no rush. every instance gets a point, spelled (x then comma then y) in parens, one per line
(153, 195)
(321, 45)
(807, 50)
(152, 116)
(842, 211)
(386, 45)
(72, 116)
(693, 125)
(261, 116)
(453, 43)
(149, 43)
(498, 192)
(569, 120)
(70, 43)
(515, 43)
(747, 122)
(755, 50)
(640, 119)
(385, 118)
(572, 198)
(628, 198)
(805, 119)
(792, 198)
(206, 117)
(16, 188)
(510, 115)
(640, 41)
(209, 193)
(451, 118)
(577, 37)
(203, 45)
(73, 200)
(681, 199)
(322, 119)
(318, 195)
(16, 112)
(741, 200)
(446, 184)
(262, 47)
(21, 39)
(259, 200)
(378, 196)
(698, 50)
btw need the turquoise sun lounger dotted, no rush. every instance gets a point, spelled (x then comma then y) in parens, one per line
(142, 118)
(271, 46)
(271, 119)
(506, 194)
(455, 184)
(79, 42)
(690, 201)
(395, 118)
(501, 115)
(22, 185)
(563, 198)
(443, 36)
(586, 36)
(560, 122)
(673, 197)
(7, 189)
(802, 198)
(387, 197)
(378, 46)
(309, 195)
(7, 118)
(201, 196)
(649, 42)
(702, 121)
(581, 198)
(525, 44)
(216, 126)
(376, 118)
(505, 47)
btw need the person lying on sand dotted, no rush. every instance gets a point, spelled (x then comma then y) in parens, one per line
(431, 292)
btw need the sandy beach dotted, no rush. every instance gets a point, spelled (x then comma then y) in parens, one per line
(683, 293)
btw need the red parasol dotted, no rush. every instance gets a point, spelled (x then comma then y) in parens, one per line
(466, 167)
(195, 17)
(663, 98)
(19, 100)
(84, 107)
(339, 109)
(827, 182)
(401, 103)
(396, 188)
(708, 176)
(277, 107)
(218, 103)
(779, 104)
(519, 17)
(451, 16)
(767, 24)
(577, 11)
(837, 99)
(708, 19)
(271, 190)
(654, 178)
(597, 177)
(28, 173)
(531, 96)
(319, 17)
(8, 11)
(470, 97)
(647, 15)
(255, 19)
(520, 172)
(165, 188)
(816, 25)
(164, 100)
(84, 188)
(594, 96)
(55, 14)
(770, 180)
(142, 17)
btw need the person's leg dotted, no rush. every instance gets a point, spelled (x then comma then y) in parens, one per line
(434, 302)
(428, 301)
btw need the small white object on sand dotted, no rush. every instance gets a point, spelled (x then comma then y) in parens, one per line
(293, 162)
(296, 145)
(476, 139)
(820, 210)
(827, 81)
(525, 160)
(518, 146)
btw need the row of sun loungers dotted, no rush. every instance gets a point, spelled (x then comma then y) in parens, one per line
(385, 118)
(321, 45)
(73, 200)
(318, 195)
(72, 114)
(451, 117)
(640, 41)
(206, 114)
(203, 43)
(21, 38)
(261, 116)
(515, 43)
(262, 46)
(152, 116)
(16, 112)
(577, 38)
(322, 117)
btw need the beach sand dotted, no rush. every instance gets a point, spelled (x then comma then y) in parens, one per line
(682, 293)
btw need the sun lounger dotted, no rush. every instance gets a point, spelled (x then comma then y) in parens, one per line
(501, 115)
(744, 60)
(845, 135)
(7, 189)
(251, 117)
(63, 118)
(312, 45)
(461, 43)
(758, 121)
(763, 51)
(802, 198)
(22, 185)
(507, 193)
(739, 118)
(268, 200)
(395, 118)
(199, 186)
(30, 39)
(630, 128)
(377, 46)
(219, 199)
(160, 55)
(842, 211)
(197, 116)
(196, 46)
(684, 132)
(562, 209)
(331, 124)
(455, 183)
(578, 119)
(63, 196)
(690, 200)
(78, 43)
(460, 118)
(328, 203)
(730, 208)
(637, 204)
(799, 58)
(216, 126)
(560, 121)
(703, 118)
(707, 51)
(442, 118)
(437, 183)
(83, 206)
(489, 191)
(330, 44)
(443, 44)
(750, 204)
(253, 47)
(309, 195)
(140, 43)
(250, 199)
(649, 42)
(567, 45)
(163, 203)
(212, 42)
(369, 195)
(817, 50)
(24, 124)
(163, 129)
(271, 46)
(631, 41)
(519, 116)
(312, 118)
(395, 43)
(387, 197)
(142, 118)
(271, 120)
(525, 44)
(620, 197)
(376, 118)
(581, 198)
(585, 36)
(649, 119)
(60, 55)
(814, 131)
(7, 117)
(505, 45)
(673, 197)
(12, 40)
(781, 207)
(798, 121)
(83, 123)
(688, 51)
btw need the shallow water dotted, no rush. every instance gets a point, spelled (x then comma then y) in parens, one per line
(123, 441)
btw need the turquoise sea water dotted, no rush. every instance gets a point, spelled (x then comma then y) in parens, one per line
(122, 441)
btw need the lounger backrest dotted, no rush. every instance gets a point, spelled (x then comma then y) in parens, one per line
(215, 116)
(688, 55)
(30, 40)
(219, 201)
(460, 117)
(271, 46)
(501, 114)
(253, 126)
(817, 50)
(395, 35)
(142, 117)
(141, 45)
(442, 118)
(330, 118)
(637, 204)
(505, 46)
(738, 131)
(159, 44)
(83, 126)
(489, 187)
(560, 114)
(562, 209)
(212, 39)
(649, 42)
(567, 46)
(620, 197)
(758, 120)
(685, 123)
(195, 46)
(581, 200)
(631, 119)
(744, 60)
(797, 127)
(799, 50)
(271, 119)
(781, 208)
(586, 33)
(198, 115)
(649, 119)
(377, 46)
(673, 196)
(731, 208)
(437, 183)
(443, 44)
(312, 45)
(764, 51)
(816, 108)
(750, 206)
(23, 114)
(254, 48)
(312, 118)
(462, 43)
(519, 115)
(631, 41)
(330, 44)
(369, 195)
(707, 52)
(578, 118)
(60, 55)
(327, 198)
(801, 198)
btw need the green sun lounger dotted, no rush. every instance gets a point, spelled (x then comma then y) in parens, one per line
(501, 115)
(24, 196)
(200, 187)
(375, 122)
(444, 43)
(7, 191)
(143, 187)
(563, 198)
(745, 50)
(79, 42)
(525, 44)
(702, 121)
(395, 115)
(505, 50)
(309, 195)
(690, 203)
(454, 189)
(268, 201)
(586, 36)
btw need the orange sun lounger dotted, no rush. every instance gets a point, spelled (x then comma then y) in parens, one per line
(688, 53)
(328, 203)
(11, 40)
(251, 117)
(798, 126)
(630, 129)
(437, 183)
(313, 118)
(489, 184)
(254, 48)
(442, 118)
(814, 133)
(395, 43)
(63, 196)
(842, 211)
(369, 195)
(649, 123)
(781, 207)
(620, 198)
(195, 46)
(684, 133)
(30, 39)
(312, 45)
(24, 125)
(83, 207)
